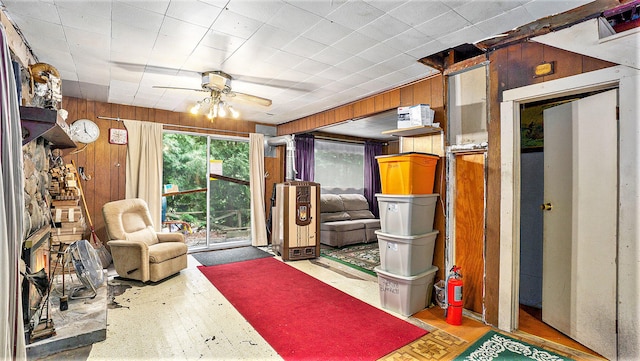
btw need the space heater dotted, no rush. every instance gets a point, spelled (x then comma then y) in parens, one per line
(296, 228)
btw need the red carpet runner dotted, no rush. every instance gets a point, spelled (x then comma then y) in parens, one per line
(303, 318)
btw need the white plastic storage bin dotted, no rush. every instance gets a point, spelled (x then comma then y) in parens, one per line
(405, 295)
(407, 215)
(406, 255)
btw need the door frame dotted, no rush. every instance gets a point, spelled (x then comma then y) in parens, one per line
(626, 80)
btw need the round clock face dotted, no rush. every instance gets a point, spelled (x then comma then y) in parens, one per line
(85, 131)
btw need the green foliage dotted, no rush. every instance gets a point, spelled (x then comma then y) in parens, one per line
(185, 164)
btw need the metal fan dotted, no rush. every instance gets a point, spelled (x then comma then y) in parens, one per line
(88, 268)
(218, 84)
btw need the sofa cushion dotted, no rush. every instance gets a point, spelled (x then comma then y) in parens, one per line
(334, 216)
(330, 203)
(354, 202)
(363, 214)
(341, 226)
(370, 223)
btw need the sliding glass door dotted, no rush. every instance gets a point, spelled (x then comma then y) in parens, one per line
(206, 189)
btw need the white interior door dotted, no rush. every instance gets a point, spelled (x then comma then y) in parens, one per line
(580, 221)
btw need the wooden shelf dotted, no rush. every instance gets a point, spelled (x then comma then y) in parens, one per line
(40, 122)
(413, 131)
(36, 237)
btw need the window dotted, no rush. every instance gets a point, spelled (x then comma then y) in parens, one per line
(339, 166)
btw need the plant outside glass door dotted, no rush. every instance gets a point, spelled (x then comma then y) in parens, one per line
(212, 211)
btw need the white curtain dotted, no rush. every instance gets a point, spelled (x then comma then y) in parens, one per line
(256, 177)
(144, 166)
(12, 344)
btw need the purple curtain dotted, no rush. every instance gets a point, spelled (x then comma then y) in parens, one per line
(372, 174)
(305, 163)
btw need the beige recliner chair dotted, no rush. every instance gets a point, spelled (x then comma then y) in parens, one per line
(139, 252)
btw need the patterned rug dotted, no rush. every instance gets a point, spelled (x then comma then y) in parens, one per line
(436, 345)
(363, 257)
(496, 346)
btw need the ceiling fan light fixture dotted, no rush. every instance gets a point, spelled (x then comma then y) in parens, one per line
(234, 113)
(222, 109)
(196, 108)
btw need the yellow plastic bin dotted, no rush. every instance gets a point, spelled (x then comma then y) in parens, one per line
(407, 173)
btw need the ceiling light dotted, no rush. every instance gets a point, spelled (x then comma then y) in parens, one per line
(216, 106)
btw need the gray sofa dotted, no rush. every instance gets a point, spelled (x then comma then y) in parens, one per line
(345, 219)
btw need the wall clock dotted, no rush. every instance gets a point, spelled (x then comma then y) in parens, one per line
(85, 131)
(117, 136)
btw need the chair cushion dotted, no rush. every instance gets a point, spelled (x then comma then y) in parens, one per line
(341, 226)
(161, 252)
(146, 235)
(334, 216)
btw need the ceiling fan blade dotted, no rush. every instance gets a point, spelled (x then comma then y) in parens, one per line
(249, 98)
(179, 88)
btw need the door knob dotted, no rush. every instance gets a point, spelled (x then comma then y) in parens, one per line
(546, 207)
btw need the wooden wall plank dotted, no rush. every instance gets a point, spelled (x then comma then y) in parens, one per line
(469, 227)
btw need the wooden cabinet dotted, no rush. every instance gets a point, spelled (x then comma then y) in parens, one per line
(46, 123)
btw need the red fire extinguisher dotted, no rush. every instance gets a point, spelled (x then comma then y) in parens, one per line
(453, 297)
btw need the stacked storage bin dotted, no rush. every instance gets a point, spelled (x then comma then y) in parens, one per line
(406, 238)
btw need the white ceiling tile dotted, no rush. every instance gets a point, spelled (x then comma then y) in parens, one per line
(261, 10)
(378, 53)
(386, 5)
(354, 64)
(303, 47)
(127, 36)
(468, 35)
(327, 32)
(271, 36)
(235, 24)
(205, 58)
(120, 74)
(84, 42)
(383, 28)
(182, 29)
(355, 14)
(93, 8)
(418, 12)
(321, 8)
(311, 67)
(443, 24)
(542, 8)
(355, 43)
(44, 11)
(172, 45)
(156, 6)
(86, 22)
(476, 11)
(332, 56)
(333, 73)
(194, 12)
(68, 74)
(293, 19)
(222, 41)
(430, 48)
(354, 79)
(505, 21)
(409, 39)
(135, 16)
(282, 58)
(32, 28)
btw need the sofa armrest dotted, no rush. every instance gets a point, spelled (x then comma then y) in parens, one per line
(170, 237)
(130, 259)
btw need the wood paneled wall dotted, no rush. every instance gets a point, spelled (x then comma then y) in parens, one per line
(105, 162)
(425, 91)
(512, 67)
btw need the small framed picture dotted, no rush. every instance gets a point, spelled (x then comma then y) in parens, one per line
(117, 136)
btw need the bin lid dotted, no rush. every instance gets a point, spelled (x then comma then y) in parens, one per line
(429, 272)
(407, 153)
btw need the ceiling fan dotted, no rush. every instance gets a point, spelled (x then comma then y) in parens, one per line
(218, 84)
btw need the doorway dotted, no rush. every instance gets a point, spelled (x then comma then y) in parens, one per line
(206, 190)
(627, 211)
(568, 228)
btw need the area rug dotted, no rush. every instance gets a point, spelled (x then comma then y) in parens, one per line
(496, 346)
(303, 318)
(224, 256)
(363, 257)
